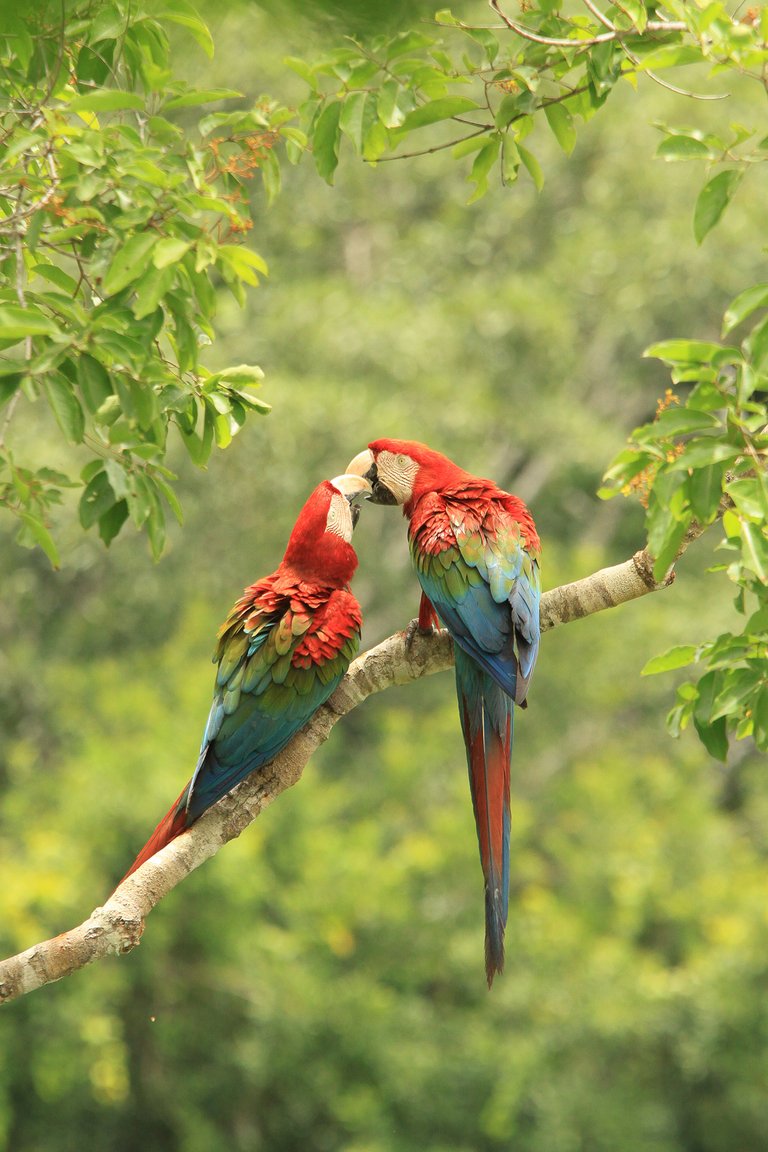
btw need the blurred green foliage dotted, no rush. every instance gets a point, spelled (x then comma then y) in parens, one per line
(319, 984)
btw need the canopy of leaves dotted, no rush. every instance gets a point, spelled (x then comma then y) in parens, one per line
(120, 213)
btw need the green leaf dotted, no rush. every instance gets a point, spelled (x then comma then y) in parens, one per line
(510, 160)
(387, 108)
(156, 526)
(637, 13)
(445, 108)
(680, 147)
(17, 322)
(757, 347)
(687, 351)
(376, 138)
(749, 497)
(171, 498)
(129, 263)
(482, 166)
(41, 536)
(58, 277)
(486, 39)
(705, 489)
(169, 250)
(325, 141)
(106, 100)
(698, 453)
(760, 719)
(533, 166)
(9, 384)
(97, 499)
(199, 447)
(754, 549)
(744, 305)
(242, 375)
(740, 684)
(118, 477)
(93, 378)
(713, 200)
(111, 521)
(758, 622)
(184, 14)
(667, 544)
(677, 657)
(351, 119)
(200, 96)
(151, 289)
(244, 262)
(66, 408)
(676, 422)
(671, 56)
(561, 123)
(714, 737)
(301, 68)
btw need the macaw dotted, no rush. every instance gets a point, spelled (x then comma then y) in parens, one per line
(476, 553)
(281, 652)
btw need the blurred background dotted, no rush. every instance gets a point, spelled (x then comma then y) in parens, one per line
(319, 984)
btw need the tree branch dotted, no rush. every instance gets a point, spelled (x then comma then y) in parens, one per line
(118, 925)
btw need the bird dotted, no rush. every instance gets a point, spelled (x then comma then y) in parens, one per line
(281, 652)
(476, 553)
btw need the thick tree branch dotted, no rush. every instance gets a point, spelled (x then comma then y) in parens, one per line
(117, 926)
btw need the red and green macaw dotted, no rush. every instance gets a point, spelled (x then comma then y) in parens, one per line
(476, 553)
(282, 651)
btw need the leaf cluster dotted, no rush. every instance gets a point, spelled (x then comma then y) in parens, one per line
(120, 215)
(490, 89)
(700, 462)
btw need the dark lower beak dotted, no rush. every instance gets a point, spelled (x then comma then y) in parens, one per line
(364, 465)
(380, 494)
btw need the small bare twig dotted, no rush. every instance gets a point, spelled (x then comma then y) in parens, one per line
(613, 33)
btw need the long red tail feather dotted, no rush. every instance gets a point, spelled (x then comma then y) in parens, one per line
(171, 826)
(486, 716)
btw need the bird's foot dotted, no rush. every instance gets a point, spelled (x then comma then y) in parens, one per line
(415, 628)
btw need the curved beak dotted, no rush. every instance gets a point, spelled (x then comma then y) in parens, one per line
(356, 488)
(364, 464)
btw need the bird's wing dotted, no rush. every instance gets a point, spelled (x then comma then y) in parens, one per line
(275, 669)
(484, 583)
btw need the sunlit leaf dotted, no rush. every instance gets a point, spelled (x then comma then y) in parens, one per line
(129, 262)
(677, 657)
(443, 109)
(713, 200)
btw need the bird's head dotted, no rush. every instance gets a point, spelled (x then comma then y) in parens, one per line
(320, 545)
(401, 471)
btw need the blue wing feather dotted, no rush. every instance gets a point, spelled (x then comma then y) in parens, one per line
(488, 599)
(260, 702)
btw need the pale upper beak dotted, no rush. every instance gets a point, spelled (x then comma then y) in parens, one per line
(364, 464)
(353, 486)
(356, 489)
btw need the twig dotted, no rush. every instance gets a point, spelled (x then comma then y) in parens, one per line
(604, 37)
(435, 148)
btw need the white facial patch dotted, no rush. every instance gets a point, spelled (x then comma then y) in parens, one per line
(339, 519)
(398, 473)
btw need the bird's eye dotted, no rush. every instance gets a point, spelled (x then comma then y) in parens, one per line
(401, 460)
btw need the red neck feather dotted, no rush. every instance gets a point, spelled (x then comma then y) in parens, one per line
(313, 554)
